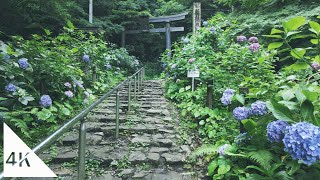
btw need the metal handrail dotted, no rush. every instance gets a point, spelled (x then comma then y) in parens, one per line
(80, 117)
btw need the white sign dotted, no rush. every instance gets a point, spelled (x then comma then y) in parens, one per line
(20, 160)
(194, 73)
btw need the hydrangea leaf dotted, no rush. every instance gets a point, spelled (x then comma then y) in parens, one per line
(307, 110)
(240, 98)
(314, 41)
(294, 23)
(315, 26)
(276, 31)
(298, 53)
(249, 125)
(279, 111)
(275, 45)
(223, 169)
(212, 167)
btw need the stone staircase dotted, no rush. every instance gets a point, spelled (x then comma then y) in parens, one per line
(149, 147)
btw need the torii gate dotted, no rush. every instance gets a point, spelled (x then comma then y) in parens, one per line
(167, 29)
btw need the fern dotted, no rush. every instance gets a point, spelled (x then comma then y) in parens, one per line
(204, 150)
(261, 157)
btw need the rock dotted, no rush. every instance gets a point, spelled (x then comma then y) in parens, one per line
(63, 172)
(158, 136)
(136, 157)
(173, 158)
(99, 133)
(126, 173)
(107, 177)
(66, 156)
(70, 139)
(166, 112)
(164, 142)
(139, 175)
(154, 157)
(186, 149)
(159, 149)
(93, 139)
(141, 139)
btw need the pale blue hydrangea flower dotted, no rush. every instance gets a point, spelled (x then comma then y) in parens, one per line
(275, 130)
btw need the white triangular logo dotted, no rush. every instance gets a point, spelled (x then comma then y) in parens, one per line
(15, 150)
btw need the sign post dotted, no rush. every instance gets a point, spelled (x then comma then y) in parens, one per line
(196, 17)
(193, 74)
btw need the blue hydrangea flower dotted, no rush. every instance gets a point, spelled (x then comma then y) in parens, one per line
(243, 137)
(23, 63)
(5, 56)
(213, 30)
(205, 23)
(45, 101)
(227, 96)
(173, 66)
(69, 94)
(107, 58)
(222, 149)
(186, 40)
(302, 142)
(241, 113)
(259, 108)
(275, 130)
(108, 66)
(10, 88)
(86, 58)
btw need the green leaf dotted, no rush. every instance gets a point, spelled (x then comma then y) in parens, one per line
(307, 110)
(2, 98)
(273, 36)
(292, 33)
(44, 114)
(240, 98)
(294, 23)
(223, 169)
(314, 41)
(25, 100)
(275, 45)
(70, 25)
(249, 125)
(298, 66)
(279, 111)
(276, 31)
(298, 53)
(300, 96)
(311, 96)
(315, 26)
(212, 167)
(66, 111)
(47, 31)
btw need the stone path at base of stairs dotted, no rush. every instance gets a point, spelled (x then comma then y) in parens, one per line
(150, 146)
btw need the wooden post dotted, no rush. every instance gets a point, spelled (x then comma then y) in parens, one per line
(196, 21)
(168, 38)
(209, 94)
(90, 10)
(123, 39)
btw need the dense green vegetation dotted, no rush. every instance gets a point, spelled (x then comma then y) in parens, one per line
(265, 120)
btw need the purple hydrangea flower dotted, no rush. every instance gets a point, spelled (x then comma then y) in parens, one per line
(259, 108)
(69, 94)
(173, 66)
(241, 113)
(205, 23)
(254, 47)
(67, 84)
(10, 88)
(108, 66)
(191, 60)
(315, 66)
(79, 84)
(275, 130)
(241, 39)
(186, 40)
(45, 101)
(213, 30)
(227, 96)
(86, 58)
(23, 63)
(302, 142)
(253, 39)
(222, 149)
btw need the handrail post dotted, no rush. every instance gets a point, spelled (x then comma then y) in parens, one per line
(117, 114)
(138, 78)
(135, 87)
(82, 150)
(129, 95)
